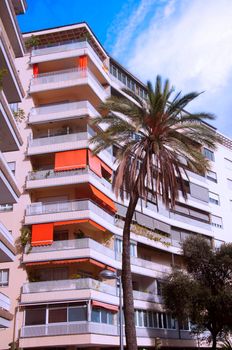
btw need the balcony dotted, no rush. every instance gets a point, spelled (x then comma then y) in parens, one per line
(68, 49)
(11, 83)
(61, 111)
(59, 142)
(51, 178)
(5, 315)
(69, 210)
(82, 288)
(7, 250)
(11, 26)
(69, 79)
(9, 133)
(66, 142)
(85, 333)
(9, 191)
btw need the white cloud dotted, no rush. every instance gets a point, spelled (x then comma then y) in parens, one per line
(190, 42)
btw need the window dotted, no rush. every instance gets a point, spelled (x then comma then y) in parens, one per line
(118, 247)
(213, 198)
(77, 313)
(102, 316)
(211, 175)
(35, 316)
(4, 278)
(159, 287)
(57, 315)
(12, 166)
(216, 221)
(6, 207)
(208, 154)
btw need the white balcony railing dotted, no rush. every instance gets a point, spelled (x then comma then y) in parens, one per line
(83, 243)
(51, 140)
(58, 108)
(50, 174)
(81, 284)
(64, 78)
(64, 47)
(83, 327)
(39, 208)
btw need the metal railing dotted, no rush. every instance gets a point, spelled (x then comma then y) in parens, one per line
(39, 208)
(51, 140)
(83, 327)
(62, 107)
(65, 75)
(71, 284)
(50, 173)
(81, 243)
(64, 46)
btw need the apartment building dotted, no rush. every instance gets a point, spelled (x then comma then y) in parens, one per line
(71, 221)
(11, 93)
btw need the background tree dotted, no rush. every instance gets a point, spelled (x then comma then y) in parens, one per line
(204, 292)
(155, 139)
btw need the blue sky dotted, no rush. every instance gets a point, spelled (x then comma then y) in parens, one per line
(189, 42)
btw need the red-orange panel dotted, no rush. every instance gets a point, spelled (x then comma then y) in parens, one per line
(95, 164)
(42, 234)
(69, 160)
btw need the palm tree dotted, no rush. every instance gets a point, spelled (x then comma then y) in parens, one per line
(155, 139)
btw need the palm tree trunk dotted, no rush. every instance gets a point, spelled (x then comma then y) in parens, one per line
(214, 344)
(128, 301)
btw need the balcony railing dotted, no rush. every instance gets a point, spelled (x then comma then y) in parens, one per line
(64, 47)
(50, 174)
(39, 208)
(67, 75)
(51, 140)
(72, 284)
(83, 243)
(61, 107)
(83, 327)
(81, 284)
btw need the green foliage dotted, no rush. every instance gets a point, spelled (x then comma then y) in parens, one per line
(203, 293)
(19, 115)
(25, 236)
(31, 42)
(3, 72)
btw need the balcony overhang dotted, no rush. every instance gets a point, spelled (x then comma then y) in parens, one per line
(11, 83)
(11, 27)
(68, 33)
(9, 133)
(20, 6)
(9, 191)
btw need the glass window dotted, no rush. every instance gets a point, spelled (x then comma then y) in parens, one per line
(118, 245)
(77, 314)
(6, 207)
(160, 320)
(208, 154)
(213, 198)
(57, 315)
(35, 316)
(12, 166)
(164, 320)
(171, 322)
(133, 249)
(216, 221)
(159, 287)
(4, 278)
(211, 175)
(96, 315)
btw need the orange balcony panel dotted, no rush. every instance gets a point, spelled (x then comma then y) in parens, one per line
(106, 306)
(69, 160)
(105, 201)
(95, 164)
(42, 234)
